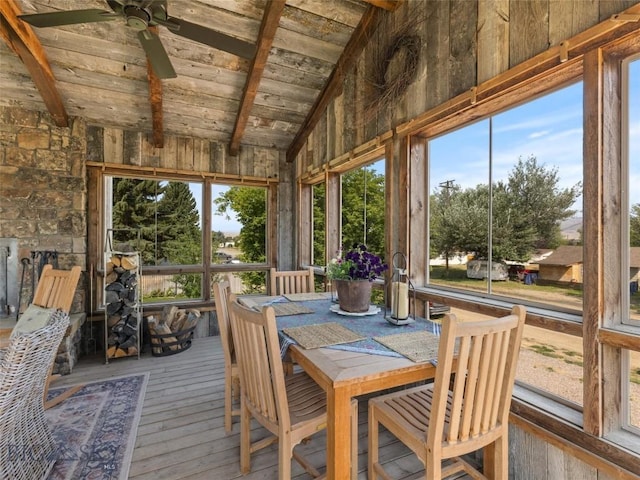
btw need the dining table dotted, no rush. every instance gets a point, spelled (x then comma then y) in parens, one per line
(347, 370)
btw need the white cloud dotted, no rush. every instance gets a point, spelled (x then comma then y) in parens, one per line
(543, 133)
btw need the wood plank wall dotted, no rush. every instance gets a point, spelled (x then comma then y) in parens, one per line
(180, 154)
(476, 40)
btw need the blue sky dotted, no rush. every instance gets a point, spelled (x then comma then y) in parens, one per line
(220, 222)
(549, 128)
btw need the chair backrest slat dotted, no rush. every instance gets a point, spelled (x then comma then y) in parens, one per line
(291, 281)
(480, 395)
(257, 348)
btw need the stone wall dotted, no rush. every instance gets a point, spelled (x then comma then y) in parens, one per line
(43, 204)
(43, 190)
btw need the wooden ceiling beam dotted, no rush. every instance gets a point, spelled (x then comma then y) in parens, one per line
(268, 27)
(352, 50)
(21, 38)
(155, 98)
(390, 5)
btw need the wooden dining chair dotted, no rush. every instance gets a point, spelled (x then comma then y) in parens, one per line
(291, 281)
(292, 408)
(56, 289)
(458, 414)
(221, 292)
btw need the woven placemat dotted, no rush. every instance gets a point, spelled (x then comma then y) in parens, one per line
(280, 306)
(289, 309)
(322, 335)
(304, 297)
(417, 346)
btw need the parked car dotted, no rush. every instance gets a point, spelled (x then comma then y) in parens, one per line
(437, 309)
(221, 257)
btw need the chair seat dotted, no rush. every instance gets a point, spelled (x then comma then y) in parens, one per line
(407, 413)
(307, 401)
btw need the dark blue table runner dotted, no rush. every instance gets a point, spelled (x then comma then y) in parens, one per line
(369, 326)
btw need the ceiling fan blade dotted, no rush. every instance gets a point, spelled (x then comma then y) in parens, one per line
(214, 39)
(156, 54)
(70, 17)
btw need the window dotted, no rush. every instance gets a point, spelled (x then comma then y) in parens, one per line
(506, 203)
(163, 221)
(631, 359)
(633, 149)
(319, 224)
(363, 204)
(239, 232)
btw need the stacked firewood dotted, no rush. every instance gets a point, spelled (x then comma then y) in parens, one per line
(121, 304)
(172, 330)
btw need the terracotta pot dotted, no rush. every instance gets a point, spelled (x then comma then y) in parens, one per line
(353, 295)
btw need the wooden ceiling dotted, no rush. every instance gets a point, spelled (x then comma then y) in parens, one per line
(98, 71)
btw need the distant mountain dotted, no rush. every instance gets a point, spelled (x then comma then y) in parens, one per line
(571, 227)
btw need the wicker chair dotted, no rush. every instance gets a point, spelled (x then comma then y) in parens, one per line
(27, 448)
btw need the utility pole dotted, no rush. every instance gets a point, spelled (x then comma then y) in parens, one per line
(448, 185)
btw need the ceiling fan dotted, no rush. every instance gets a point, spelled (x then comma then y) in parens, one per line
(140, 15)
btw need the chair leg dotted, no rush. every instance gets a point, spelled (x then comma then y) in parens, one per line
(496, 459)
(354, 439)
(285, 454)
(228, 395)
(373, 444)
(245, 438)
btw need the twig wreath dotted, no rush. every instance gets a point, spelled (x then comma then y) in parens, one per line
(395, 72)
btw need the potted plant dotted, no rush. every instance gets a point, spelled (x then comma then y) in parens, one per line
(352, 273)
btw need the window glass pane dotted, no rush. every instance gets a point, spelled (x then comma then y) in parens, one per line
(164, 288)
(519, 173)
(239, 223)
(634, 389)
(633, 136)
(537, 198)
(459, 208)
(552, 362)
(363, 207)
(239, 231)
(162, 220)
(319, 224)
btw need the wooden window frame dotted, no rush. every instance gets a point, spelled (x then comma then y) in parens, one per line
(97, 171)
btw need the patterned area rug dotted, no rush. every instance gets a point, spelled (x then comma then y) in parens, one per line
(95, 429)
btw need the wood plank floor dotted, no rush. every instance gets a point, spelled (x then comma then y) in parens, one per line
(181, 433)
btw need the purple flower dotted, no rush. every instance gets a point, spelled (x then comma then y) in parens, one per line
(357, 264)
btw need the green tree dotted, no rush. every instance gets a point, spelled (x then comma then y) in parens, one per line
(363, 209)
(217, 238)
(134, 206)
(319, 224)
(526, 213)
(536, 202)
(250, 206)
(179, 234)
(634, 226)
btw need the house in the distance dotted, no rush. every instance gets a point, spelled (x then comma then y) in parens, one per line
(565, 266)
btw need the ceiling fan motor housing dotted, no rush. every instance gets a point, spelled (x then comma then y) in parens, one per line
(136, 17)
